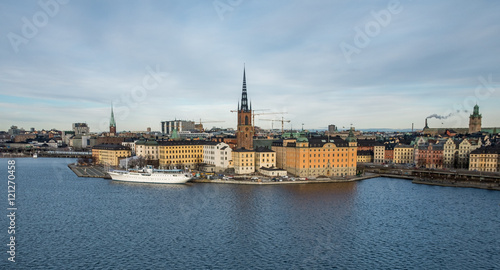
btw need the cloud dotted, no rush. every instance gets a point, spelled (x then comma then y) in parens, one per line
(427, 60)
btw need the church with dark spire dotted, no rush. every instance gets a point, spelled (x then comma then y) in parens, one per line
(245, 131)
(112, 123)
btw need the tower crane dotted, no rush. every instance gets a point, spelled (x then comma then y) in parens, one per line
(254, 114)
(282, 122)
(200, 125)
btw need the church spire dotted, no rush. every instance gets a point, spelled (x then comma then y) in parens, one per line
(244, 100)
(112, 122)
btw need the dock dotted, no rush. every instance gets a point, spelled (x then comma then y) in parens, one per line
(89, 171)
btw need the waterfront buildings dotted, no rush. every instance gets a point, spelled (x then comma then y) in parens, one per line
(404, 154)
(243, 161)
(217, 155)
(364, 156)
(375, 148)
(389, 152)
(180, 154)
(148, 149)
(317, 156)
(110, 154)
(485, 159)
(264, 158)
(429, 155)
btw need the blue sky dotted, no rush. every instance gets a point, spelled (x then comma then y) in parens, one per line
(382, 64)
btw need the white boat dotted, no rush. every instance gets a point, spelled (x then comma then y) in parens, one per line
(35, 155)
(149, 175)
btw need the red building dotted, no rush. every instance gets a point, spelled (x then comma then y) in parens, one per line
(429, 156)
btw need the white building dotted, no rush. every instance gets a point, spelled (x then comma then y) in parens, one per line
(149, 150)
(218, 154)
(131, 145)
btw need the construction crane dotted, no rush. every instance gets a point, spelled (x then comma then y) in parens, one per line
(254, 114)
(200, 125)
(282, 123)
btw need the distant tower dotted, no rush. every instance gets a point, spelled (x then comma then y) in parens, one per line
(351, 139)
(112, 123)
(475, 121)
(245, 132)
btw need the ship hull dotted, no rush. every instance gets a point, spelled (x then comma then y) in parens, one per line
(155, 178)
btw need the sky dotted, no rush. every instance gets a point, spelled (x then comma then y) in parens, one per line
(369, 64)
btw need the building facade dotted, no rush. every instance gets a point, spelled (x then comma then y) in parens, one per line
(485, 159)
(167, 127)
(148, 149)
(324, 156)
(429, 156)
(80, 128)
(243, 161)
(364, 156)
(180, 154)
(265, 158)
(217, 154)
(404, 154)
(110, 154)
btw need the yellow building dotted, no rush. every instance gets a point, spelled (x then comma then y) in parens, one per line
(365, 156)
(110, 154)
(265, 158)
(404, 154)
(485, 159)
(243, 161)
(180, 154)
(321, 156)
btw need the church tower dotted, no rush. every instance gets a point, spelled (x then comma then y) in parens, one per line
(112, 123)
(245, 132)
(475, 121)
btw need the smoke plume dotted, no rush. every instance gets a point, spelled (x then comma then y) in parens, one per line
(437, 116)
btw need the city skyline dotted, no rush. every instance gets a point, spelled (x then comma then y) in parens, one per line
(383, 64)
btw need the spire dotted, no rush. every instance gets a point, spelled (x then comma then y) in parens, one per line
(112, 122)
(244, 100)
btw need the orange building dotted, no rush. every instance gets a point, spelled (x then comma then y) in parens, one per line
(322, 156)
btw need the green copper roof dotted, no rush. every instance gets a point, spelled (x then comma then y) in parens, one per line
(174, 135)
(476, 112)
(350, 137)
(112, 122)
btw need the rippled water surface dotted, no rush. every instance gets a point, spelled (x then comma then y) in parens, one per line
(66, 222)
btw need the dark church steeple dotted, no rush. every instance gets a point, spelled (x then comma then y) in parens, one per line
(245, 132)
(244, 98)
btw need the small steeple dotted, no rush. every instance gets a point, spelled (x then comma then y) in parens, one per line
(351, 137)
(112, 122)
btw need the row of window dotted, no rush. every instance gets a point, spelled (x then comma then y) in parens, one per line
(333, 155)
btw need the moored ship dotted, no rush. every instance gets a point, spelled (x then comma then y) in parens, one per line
(149, 175)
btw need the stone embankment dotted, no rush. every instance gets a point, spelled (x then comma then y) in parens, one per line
(89, 171)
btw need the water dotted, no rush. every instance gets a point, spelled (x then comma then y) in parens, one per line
(66, 222)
